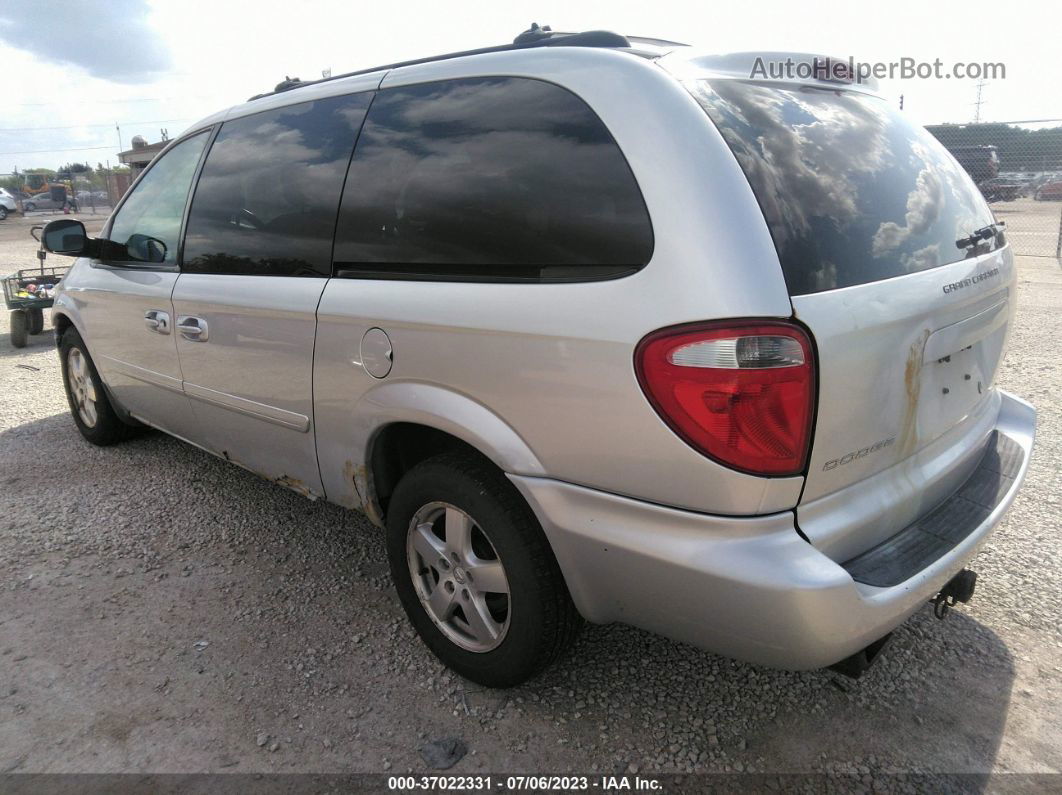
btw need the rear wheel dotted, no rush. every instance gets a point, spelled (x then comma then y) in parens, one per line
(474, 572)
(36, 321)
(19, 327)
(92, 410)
(28, 206)
(3, 213)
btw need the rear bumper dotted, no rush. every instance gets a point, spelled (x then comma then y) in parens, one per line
(747, 587)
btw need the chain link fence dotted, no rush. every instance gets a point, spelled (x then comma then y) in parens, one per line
(93, 192)
(1018, 167)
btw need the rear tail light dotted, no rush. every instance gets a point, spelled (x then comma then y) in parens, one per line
(742, 393)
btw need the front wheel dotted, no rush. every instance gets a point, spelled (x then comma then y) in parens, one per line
(92, 410)
(29, 206)
(475, 573)
(3, 213)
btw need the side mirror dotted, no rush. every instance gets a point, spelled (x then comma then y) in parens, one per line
(64, 236)
(143, 248)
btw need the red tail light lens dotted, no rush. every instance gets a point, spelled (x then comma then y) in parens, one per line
(741, 393)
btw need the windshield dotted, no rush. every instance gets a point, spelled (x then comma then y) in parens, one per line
(851, 190)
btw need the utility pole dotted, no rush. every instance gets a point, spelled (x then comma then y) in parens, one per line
(18, 179)
(119, 129)
(979, 102)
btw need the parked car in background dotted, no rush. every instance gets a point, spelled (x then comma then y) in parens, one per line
(91, 196)
(1003, 189)
(45, 201)
(1049, 191)
(605, 331)
(8, 204)
(39, 201)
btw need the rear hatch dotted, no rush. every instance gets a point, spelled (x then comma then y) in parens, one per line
(872, 220)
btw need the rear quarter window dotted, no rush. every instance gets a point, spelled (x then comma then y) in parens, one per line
(852, 191)
(489, 179)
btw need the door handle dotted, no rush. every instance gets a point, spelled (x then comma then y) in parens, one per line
(157, 320)
(192, 328)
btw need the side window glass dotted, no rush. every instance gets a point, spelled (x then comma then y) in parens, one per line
(267, 198)
(156, 206)
(496, 177)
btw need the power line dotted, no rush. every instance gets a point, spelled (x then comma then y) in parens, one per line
(77, 126)
(101, 101)
(45, 151)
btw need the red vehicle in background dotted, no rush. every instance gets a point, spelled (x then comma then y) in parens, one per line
(1049, 191)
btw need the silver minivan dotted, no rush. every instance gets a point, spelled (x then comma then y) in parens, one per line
(593, 327)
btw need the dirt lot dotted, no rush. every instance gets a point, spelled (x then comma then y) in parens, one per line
(1032, 227)
(165, 611)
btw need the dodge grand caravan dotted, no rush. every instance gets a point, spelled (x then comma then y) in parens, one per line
(593, 327)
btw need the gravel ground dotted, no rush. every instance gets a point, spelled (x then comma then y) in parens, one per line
(164, 611)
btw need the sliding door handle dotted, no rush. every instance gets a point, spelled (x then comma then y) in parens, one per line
(192, 328)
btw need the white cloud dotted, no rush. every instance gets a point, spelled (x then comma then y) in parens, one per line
(923, 208)
(111, 40)
(97, 63)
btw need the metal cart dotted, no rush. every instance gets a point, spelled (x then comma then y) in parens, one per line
(29, 292)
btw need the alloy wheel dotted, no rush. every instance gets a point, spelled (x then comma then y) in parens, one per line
(82, 389)
(458, 577)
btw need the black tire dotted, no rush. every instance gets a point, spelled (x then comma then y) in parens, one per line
(3, 213)
(108, 428)
(29, 206)
(36, 321)
(19, 327)
(542, 623)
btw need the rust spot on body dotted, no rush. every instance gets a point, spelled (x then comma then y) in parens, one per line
(351, 496)
(351, 473)
(296, 485)
(912, 384)
(360, 496)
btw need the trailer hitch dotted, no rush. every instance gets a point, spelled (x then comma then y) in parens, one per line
(959, 588)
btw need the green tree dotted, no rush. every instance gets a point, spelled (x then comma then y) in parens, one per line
(1019, 149)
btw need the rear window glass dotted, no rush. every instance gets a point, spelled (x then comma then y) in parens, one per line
(487, 179)
(852, 192)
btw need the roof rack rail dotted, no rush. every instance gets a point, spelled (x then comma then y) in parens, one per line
(535, 36)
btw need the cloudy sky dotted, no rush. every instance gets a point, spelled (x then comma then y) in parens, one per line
(72, 70)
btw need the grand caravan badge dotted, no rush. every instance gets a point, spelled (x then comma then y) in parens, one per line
(972, 280)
